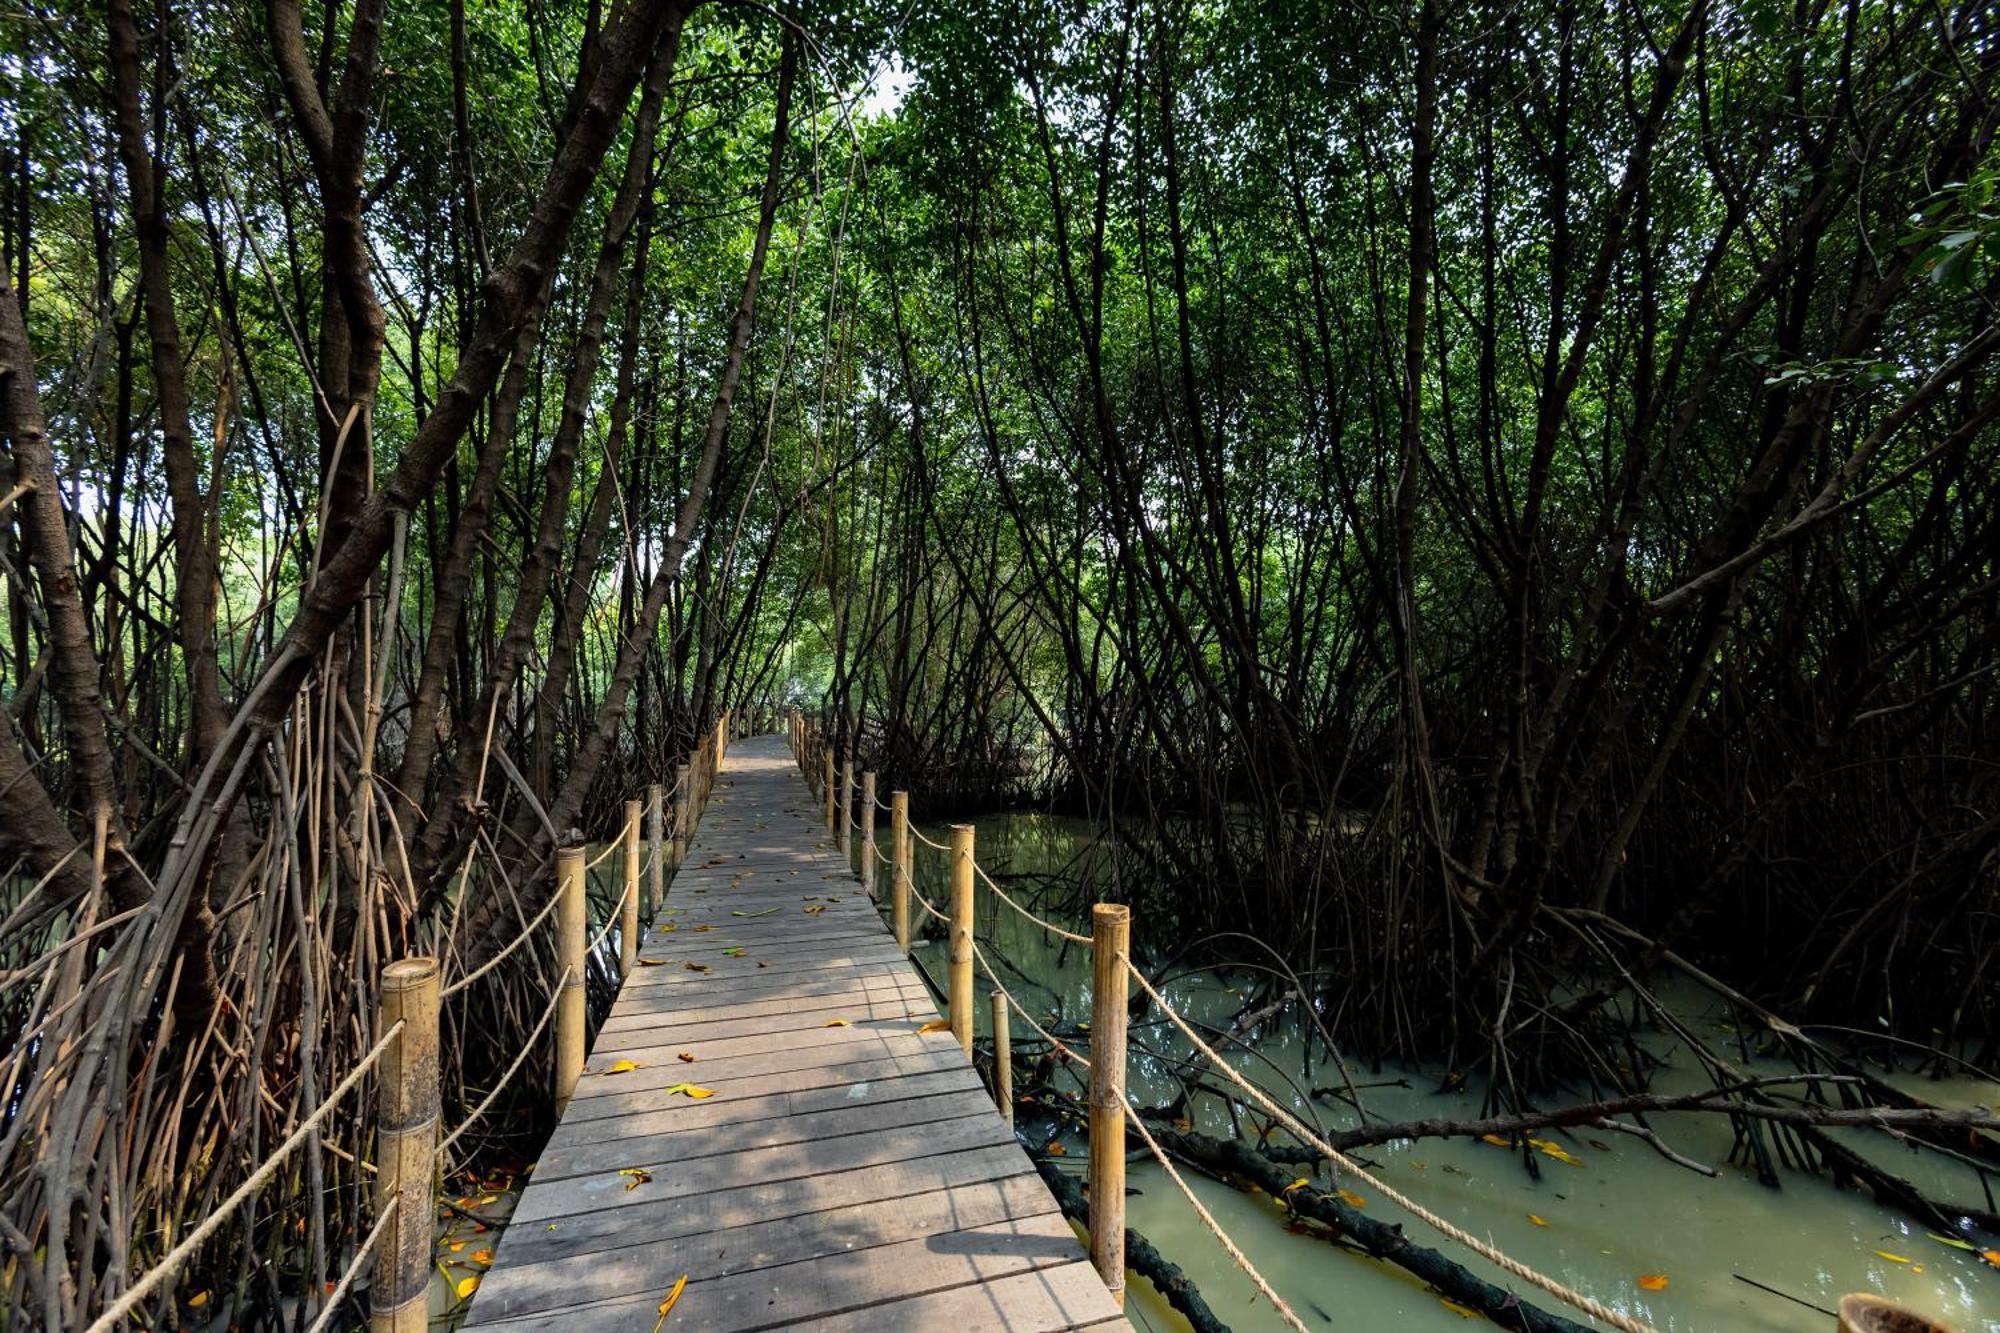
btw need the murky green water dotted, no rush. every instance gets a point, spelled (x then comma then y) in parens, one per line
(1620, 1213)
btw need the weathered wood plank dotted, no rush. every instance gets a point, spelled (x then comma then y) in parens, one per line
(836, 1284)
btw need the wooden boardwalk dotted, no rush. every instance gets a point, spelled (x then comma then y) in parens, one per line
(849, 1172)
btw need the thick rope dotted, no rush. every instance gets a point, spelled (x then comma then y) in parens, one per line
(1048, 926)
(527, 1046)
(1215, 1228)
(181, 1253)
(338, 1295)
(1595, 1309)
(495, 961)
(918, 834)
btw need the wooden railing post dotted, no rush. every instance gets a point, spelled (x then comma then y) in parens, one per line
(628, 905)
(656, 849)
(961, 935)
(826, 791)
(1110, 943)
(899, 868)
(1003, 1059)
(571, 930)
(406, 1133)
(683, 812)
(843, 834)
(868, 832)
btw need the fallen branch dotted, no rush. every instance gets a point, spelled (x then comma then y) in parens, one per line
(1383, 1240)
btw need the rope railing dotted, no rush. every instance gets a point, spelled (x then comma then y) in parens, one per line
(835, 788)
(527, 1046)
(1230, 1247)
(1451, 1230)
(174, 1259)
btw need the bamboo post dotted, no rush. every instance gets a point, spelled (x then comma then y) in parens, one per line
(683, 814)
(656, 838)
(961, 935)
(1110, 942)
(868, 832)
(571, 932)
(628, 905)
(826, 788)
(1003, 1059)
(899, 869)
(406, 1130)
(843, 835)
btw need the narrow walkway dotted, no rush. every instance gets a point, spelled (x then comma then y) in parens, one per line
(849, 1171)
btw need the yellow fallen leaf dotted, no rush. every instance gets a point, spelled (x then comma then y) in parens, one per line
(1462, 1311)
(667, 1305)
(1916, 1268)
(457, 1245)
(1351, 1199)
(621, 1067)
(1653, 1282)
(1298, 1184)
(196, 1301)
(1892, 1258)
(936, 1025)
(1538, 1220)
(689, 1090)
(1057, 1150)
(482, 1256)
(1952, 1241)
(466, 1286)
(836, 1023)
(1495, 1140)
(635, 1176)
(1991, 1257)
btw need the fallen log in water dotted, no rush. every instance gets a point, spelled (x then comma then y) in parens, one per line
(1141, 1255)
(1383, 1240)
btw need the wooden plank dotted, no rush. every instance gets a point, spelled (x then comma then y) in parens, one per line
(836, 1072)
(682, 1116)
(832, 1193)
(1047, 1300)
(835, 1284)
(653, 1011)
(682, 1144)
(848, 1170)
(559, 1284)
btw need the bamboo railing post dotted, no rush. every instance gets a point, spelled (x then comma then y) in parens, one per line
(628, 905)
(868, 832)
(843, 834)
(899, 869)
(406, 1131)
(826, 787)
(1003, 1059)
(683, 816)
(961, 936)
(656, 838)
(1110, 943)
(571, 934)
